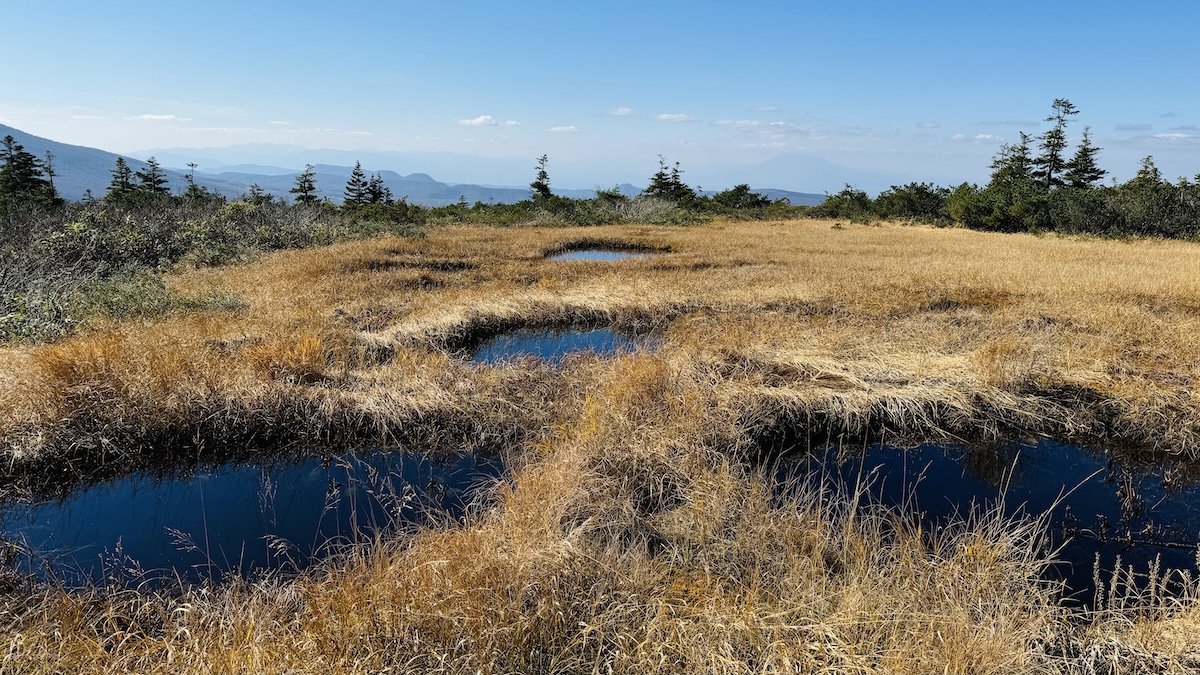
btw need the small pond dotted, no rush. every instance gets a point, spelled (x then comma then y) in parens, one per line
(552, 346)
(1100, 503)
(601, 255)
(236, 518)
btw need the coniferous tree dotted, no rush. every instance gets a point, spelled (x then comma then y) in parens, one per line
(21, 177)
(1083, 171)
(152, 180)
(1013, 163)
(305, 188)
(669, 185)
(1014, 198)
(1148, 176)
(48, 169)
(541, 184)
(377, 192)
(121, 187)
(1049, 165)
(256, 195)
(194, 192)
(356, 187)
(740, 197)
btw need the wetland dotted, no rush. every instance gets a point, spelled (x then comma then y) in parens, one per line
(821, 447)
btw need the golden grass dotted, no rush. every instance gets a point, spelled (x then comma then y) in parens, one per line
(631, 536)
(922, 330)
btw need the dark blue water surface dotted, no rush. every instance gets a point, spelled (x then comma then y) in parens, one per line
(236, 518)
(552, 346)
(246, 518)
(1099, 503)
(598, 255)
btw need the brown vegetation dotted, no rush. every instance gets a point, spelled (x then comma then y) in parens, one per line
(634, 536)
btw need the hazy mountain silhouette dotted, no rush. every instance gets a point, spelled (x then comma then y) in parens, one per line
(273, 168)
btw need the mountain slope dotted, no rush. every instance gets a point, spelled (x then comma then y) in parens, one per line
(80, 169)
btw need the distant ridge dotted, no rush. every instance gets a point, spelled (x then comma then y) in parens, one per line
(79, 168)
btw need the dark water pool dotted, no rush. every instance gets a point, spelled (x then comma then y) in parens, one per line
(235, 518)
(552, 346)
(602, 255)
(1100, 503)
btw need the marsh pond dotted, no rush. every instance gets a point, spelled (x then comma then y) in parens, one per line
(245, 519)
(1101, 507)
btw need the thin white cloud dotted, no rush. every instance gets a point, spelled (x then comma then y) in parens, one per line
(674, 117)
(481, 121)
(511, 123)
(621, 112)
(314, 130)
(86, 117)
(765, 109)
(1175, 136)
(157, 118)
(739, 125)
(569, 129)
(359, 133)
(929, 125)
(227, 130)
(768, 134)
(279, 123)
(977, 138)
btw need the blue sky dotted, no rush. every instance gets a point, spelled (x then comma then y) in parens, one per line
(906, 91)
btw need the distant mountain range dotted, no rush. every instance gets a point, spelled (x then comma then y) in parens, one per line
(79, 169)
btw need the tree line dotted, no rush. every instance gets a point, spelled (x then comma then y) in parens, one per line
(1037, 186)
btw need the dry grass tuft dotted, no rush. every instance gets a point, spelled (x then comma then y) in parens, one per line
(303, 360)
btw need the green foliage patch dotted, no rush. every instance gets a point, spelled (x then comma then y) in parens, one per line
(1040, 193)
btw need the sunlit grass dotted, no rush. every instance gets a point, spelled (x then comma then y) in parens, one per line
(635, 533)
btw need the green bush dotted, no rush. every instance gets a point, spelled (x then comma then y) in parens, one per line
(59, 267)
(850, 203)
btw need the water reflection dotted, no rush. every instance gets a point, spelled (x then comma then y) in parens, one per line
(601, 255)
(236, 518)
(552, 346)
(1099, 504)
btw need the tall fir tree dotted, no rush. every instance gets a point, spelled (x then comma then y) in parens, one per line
(48, 169)
(152, 180)
(356, 188)
(195, 192)
(1083, 171)
(22, 180)
(541, 183)
(1049, 165)
(305, 187)
(121, 187)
